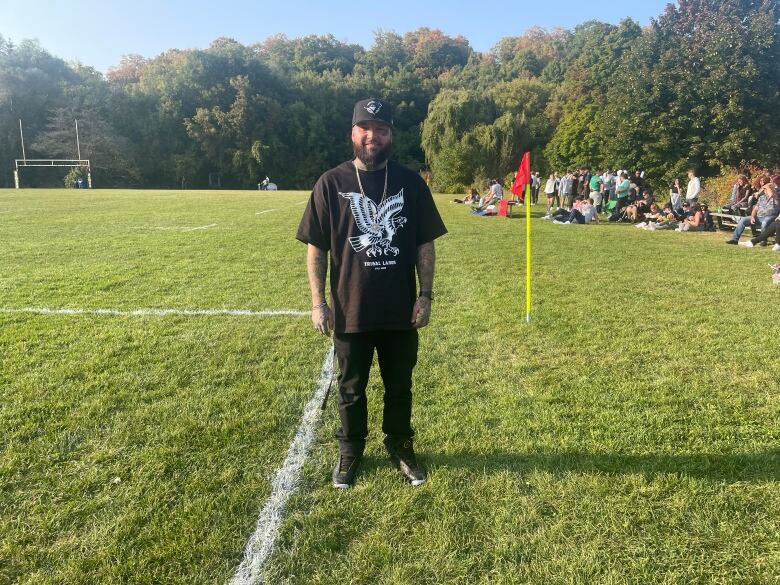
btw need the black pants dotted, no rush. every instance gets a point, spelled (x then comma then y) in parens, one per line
(576, 216)
(397, 355)
(772, 229)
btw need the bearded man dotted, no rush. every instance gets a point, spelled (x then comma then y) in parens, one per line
(376, 221)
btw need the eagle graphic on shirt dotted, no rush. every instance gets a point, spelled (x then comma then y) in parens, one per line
(378, 224)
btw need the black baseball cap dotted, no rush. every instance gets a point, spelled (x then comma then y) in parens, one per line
(372, 110)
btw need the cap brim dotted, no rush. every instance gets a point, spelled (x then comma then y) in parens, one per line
(377, 121)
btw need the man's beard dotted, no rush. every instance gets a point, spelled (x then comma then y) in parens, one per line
(372, 158)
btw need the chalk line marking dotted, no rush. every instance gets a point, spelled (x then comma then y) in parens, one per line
(261, 544)
(156, 312)
(200, 227)
(171, 227)
(301, 202)
(266, 211)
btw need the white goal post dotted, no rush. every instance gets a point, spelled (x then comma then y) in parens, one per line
(51, 162)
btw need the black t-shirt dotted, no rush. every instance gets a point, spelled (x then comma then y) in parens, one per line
(372, 243)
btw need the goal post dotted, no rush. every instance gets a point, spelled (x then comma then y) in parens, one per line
(79, 162)
(51, 162)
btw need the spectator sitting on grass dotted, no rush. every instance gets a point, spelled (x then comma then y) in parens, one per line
(496, 192)
(683, 213)
(650, 216)
(709, 223)
(585, 212)
(637, 210)
(561, 214)
(694, 222)
(493, 196)
(764, 211)
(666, 220)
(472, 197)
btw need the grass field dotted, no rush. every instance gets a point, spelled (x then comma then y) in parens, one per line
(629, 434)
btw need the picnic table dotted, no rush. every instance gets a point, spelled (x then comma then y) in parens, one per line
(729, 221)
(726, 220)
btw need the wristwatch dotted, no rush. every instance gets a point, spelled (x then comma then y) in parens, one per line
(427, 294)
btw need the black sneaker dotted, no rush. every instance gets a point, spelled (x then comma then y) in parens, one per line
(733, 242)
(403, 458)
(345, 470)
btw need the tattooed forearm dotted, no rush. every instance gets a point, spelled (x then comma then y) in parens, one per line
(426, 260)
(317, 267)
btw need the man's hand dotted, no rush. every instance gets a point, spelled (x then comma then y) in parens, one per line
(421, 313)
(322, 318)
(317, 268)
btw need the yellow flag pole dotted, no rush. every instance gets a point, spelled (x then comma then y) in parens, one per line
(528, 252)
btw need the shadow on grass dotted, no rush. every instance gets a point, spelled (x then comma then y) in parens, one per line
(736, 467)
(731, 468)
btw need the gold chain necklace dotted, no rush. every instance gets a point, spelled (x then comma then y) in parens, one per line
(360, 184)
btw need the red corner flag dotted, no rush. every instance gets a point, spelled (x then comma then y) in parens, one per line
(523, 176)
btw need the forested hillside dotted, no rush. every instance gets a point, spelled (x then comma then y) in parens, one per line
(697, 87)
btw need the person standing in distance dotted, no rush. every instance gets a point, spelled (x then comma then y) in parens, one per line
(694, 187)
(375, 220)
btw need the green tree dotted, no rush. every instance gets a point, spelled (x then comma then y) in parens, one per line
(31, 84)
(470, 136)
(111, 155)
(594, 52)
(237, 140)
(699, 89)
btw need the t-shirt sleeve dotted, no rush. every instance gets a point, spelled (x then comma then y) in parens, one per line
(429, 223)
(314, 228)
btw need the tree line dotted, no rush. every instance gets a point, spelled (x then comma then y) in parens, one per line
(697, 87)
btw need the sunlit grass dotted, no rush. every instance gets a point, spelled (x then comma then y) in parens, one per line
(627, 435)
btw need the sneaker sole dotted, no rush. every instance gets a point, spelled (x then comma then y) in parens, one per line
(395, 462)
(341, 486)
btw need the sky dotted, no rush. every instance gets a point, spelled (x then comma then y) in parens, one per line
(99, 32)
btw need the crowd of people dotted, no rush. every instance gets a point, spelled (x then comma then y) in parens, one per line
(581, 197)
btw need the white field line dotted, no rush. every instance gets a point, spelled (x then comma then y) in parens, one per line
(261, 544)
(171, 227)
(266, 211)
(156, 312)
(301, 202)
